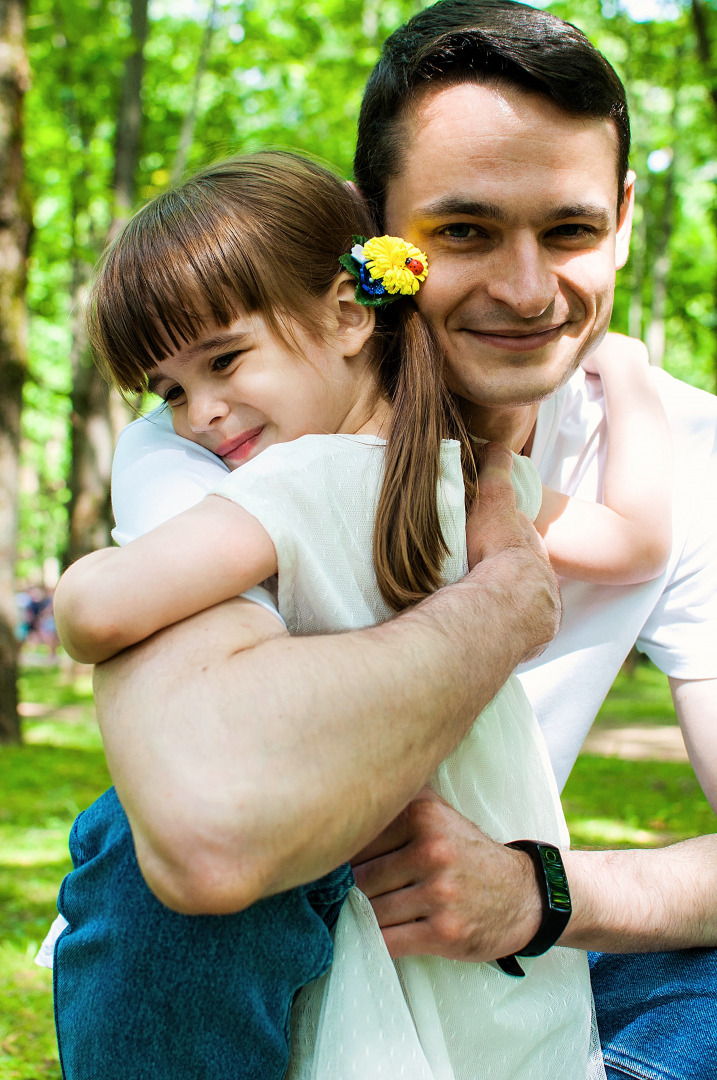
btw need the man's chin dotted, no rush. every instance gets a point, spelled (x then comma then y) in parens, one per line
(512, 387)
(511, 397)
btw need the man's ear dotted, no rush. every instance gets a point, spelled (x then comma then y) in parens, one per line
(624, 224)
(354, 322)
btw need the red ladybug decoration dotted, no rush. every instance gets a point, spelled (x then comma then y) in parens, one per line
(414, 266)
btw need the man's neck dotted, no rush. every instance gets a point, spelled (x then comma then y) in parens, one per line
(513, 426)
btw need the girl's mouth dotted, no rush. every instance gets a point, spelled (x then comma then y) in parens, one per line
(240, 447)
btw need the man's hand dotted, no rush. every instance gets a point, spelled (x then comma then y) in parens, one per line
(439, 885)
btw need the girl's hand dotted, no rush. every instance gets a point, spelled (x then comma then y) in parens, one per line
(616, 351)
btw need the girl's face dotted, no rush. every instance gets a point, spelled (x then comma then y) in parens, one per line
(236, 390)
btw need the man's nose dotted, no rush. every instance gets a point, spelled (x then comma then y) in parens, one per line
(521, 277)
(204, 408)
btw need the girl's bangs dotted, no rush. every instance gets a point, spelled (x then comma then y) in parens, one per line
(160, 291)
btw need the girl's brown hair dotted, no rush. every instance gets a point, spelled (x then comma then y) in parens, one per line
(263, 234)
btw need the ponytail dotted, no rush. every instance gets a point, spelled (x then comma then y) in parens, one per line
(409, 548)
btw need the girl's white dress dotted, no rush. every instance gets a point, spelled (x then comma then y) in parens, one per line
(423, 1018)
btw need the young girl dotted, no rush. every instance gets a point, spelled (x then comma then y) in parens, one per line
(226, 298)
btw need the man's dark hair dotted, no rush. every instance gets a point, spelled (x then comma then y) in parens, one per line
(480, 41)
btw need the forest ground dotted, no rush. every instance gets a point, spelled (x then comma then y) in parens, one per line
(632, 787)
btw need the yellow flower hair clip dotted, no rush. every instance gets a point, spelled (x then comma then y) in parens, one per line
(385, 268)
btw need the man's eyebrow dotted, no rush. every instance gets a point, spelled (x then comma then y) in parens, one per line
(596, 214)
(459, 207)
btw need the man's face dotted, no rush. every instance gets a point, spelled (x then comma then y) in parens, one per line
(515, 204)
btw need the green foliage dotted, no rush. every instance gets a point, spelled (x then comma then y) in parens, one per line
(639, 693)
(290, 73)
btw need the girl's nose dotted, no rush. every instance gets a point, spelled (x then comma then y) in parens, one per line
(204, 409)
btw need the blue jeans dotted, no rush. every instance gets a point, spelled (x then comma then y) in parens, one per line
(141, 991)
(657, 1014)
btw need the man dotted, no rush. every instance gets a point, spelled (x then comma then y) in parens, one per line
(512, 173)
(520, 244)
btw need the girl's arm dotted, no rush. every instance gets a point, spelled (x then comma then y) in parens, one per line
(626, 539)
(116, 597)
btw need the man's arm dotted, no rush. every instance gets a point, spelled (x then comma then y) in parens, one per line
(476, 900)
(438, 885)
(249, 761)
(695, 703)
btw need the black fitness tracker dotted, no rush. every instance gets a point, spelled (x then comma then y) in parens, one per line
(554, 896)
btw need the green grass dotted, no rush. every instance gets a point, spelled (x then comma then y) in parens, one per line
(614, 803)
(45, 783)
(60, 770)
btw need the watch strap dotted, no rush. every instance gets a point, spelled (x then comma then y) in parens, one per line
(554, 897)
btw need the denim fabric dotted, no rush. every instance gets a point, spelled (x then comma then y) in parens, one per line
(657, 1014)
(141, 991)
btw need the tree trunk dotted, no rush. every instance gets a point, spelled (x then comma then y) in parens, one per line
(701, 16)
(129, 118)
(655, 335)
(14, 240)
(186, 135)
(638, 249)
(95, 407)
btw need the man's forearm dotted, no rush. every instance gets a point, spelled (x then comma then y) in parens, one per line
(644, 901)
(439, 885)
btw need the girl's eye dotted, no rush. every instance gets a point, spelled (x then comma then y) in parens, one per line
(173, 395)
(460, 231)
(221, 363)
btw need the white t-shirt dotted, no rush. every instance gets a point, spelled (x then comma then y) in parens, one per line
(673, 618)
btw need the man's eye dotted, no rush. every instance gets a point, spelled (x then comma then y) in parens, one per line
(221, 363)
(459, 231)
(570, 232)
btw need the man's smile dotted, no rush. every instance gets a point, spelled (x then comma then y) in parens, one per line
(517, 340)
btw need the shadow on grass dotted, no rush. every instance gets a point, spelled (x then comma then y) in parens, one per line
(613, 803)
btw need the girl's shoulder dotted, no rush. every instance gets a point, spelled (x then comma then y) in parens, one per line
(528, 486)
(315, 451)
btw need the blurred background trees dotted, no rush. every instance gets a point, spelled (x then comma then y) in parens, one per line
(123, 96)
